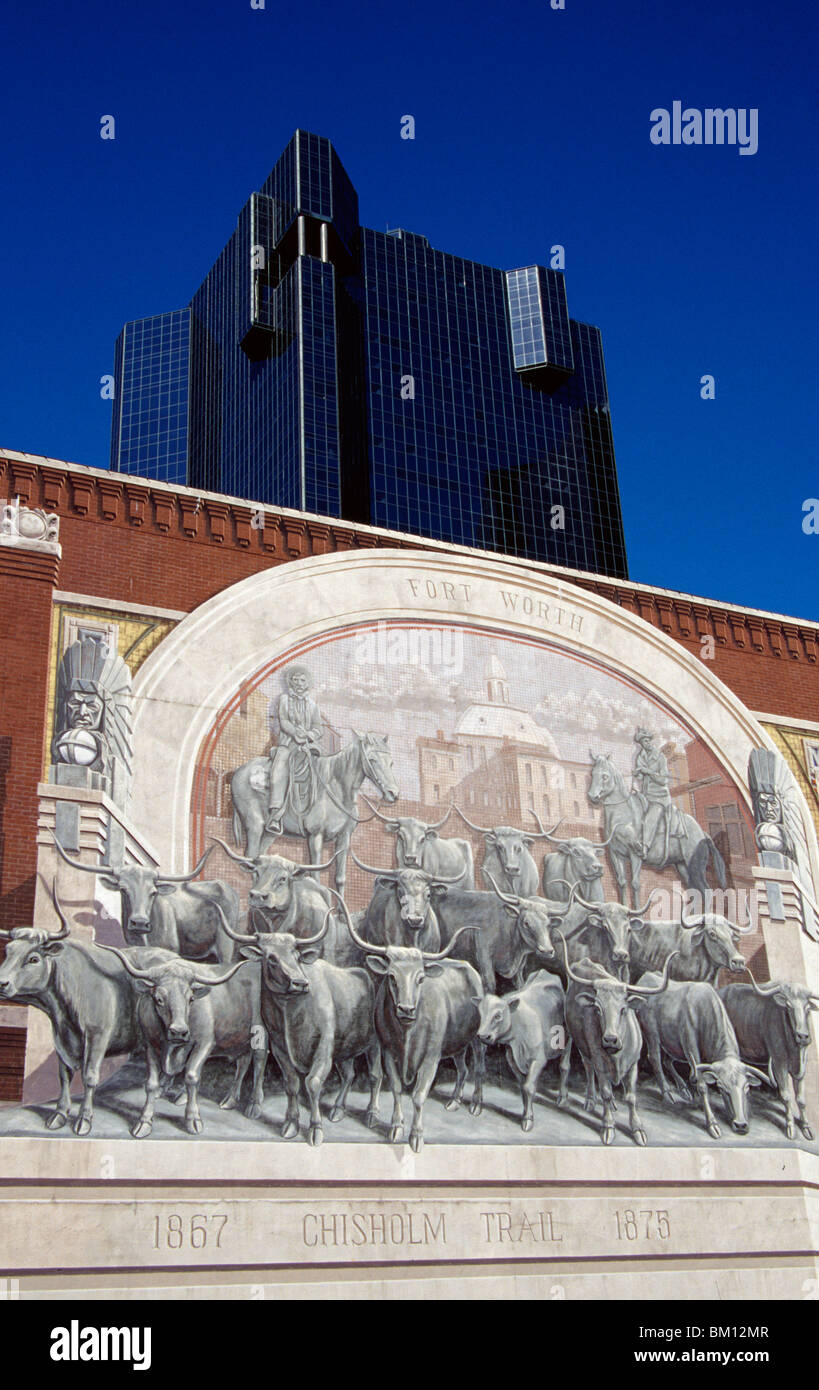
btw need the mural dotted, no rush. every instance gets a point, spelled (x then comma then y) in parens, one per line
(474, 868)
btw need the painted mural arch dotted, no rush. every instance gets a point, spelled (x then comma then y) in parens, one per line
(188, 687)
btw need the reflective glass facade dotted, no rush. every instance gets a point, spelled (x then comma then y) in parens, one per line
(149, 434)
(349, 372)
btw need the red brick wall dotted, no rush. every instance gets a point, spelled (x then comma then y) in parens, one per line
(26, 582)
(12, 1060)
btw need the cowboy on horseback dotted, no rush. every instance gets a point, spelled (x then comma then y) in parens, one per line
(650, 780)
(300, 734)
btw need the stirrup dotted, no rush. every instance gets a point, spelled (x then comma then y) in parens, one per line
(272, 826)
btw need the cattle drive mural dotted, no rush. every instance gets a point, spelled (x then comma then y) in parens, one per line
(464, 886)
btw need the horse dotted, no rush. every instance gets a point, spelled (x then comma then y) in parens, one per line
(688, 852)
(338, 776)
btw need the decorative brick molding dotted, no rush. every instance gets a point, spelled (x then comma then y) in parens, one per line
(164, 511)
(53, 488)
(30, 565)
(137, 504)
(295, 532)
(319, 534)
(756, 627)
(23, 480)
(191, 510)
(242, 517)
(720, 625)
(82, 493)
(219, 518)
(665, 608)
(110, 497)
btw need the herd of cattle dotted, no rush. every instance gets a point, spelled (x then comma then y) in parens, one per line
(533, 963)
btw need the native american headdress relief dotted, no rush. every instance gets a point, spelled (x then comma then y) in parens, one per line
(778, 812)
(89, 667)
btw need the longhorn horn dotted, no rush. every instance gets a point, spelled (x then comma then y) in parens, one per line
(318, 868)
(694, 923)
(320, 934)
(440, 955)
(75, 863)
(359, 941)
(239, 858)
(186, 878)
(578, 979)
(655, 989)
(506, 897)
(638, 911)
(574, 895)
(572, 887)
(481, 829)
(222, 979)
(132, 969)
(66, 926)
(388, 820)
(440, 878)
(749, 925)
(438, 823)
(604, 843)
(546, 834)
(760, 989)
(368, 868)
(756, 1072)
(243, 939)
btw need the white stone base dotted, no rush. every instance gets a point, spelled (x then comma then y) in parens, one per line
(127, 1219)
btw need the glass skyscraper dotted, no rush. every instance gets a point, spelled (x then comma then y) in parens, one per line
(334, 369)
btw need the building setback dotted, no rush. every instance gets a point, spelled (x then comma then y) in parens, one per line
(364, 375)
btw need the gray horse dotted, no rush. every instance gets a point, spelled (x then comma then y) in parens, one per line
(688, 852)
(332, 816)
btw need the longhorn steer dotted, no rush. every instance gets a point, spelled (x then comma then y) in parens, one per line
(425, 1010)
(316, 1015)
(573, 862)
(703, 946)
(690, 1024)
(419, 846)
(284, 896)
(507, 858)
(602, 1023)
(604, 935)
(772, 1026)
(531, 1026)
(167, 910)
(401, 910)
(86, 995)
(190, 1012)
(508, 929)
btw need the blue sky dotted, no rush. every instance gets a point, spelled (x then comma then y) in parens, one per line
(532, 128)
